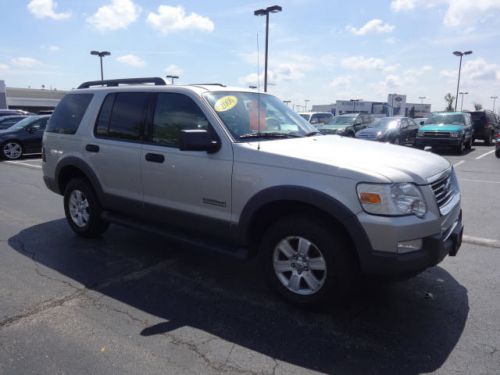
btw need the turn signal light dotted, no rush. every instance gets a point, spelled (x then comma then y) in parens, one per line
(370, 198)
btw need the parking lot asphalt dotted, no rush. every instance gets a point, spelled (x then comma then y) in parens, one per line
(132, 302)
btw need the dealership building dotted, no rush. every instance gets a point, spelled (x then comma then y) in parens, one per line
(395, 105)
(32, 100)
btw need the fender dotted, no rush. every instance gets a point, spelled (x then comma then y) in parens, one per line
(72, 161)
(317, 199)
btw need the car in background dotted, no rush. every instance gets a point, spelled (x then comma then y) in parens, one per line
(316, 118)
(396, 130)
(7, 121)
(13, 112)
(447, 129)
(25, 137)
(497, 147)
(485, 124)
(347, 125)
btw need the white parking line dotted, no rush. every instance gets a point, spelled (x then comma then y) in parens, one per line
(458, 163)
(481, 241)
(485, 154)
(23, 164)
(481, 181)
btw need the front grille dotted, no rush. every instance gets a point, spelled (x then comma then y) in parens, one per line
(437, 134)
(365, 136)
(444, 190)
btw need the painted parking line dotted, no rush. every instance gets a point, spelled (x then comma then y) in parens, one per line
(488, 242)
(23, 164)
(485, 154)
(458, 163)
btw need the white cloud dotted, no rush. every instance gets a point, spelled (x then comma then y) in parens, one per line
(131, 60)
(4, 67)
(170, 19)
(24, 62)
(51, 48)
(117, 15)
(375, 26)
(474, 71)
(341, 82)
(459, 13)
(46, 9)
(279, 73)
(173, 70)
(366, 63)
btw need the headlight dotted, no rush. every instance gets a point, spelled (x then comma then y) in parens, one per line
(392, 199)
(455, 134)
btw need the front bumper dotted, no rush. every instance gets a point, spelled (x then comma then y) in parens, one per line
(433, 251)
(438, 142)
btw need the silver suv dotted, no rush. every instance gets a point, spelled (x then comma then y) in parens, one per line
(238, 172)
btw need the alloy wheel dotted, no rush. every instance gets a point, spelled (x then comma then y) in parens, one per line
(79, 208)
(12, 150)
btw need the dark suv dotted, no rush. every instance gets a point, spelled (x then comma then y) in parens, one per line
(347, 125)
(485, 124)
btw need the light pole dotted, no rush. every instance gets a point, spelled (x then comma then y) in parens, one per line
(287, 102)
(494, 100)
(101, 54)
(354, 101)
(422, 99)
(462, 100)
(459, 54)
(265, 12)
(305, 106)
(172, 78)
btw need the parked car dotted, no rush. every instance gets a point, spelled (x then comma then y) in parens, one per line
(7, 121)
(497, 144)
(347, 124)
(485, 124)
(397, 130)
(24, 137)
(316, 118)
(13, 112)
(196, 164)
(447, 129)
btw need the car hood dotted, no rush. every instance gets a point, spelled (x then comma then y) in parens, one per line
(374, 131)
(345, 157)
(441, 127)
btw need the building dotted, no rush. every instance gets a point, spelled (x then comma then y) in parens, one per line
(32, 100)
(395, 105)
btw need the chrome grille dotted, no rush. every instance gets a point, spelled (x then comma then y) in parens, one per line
(436, 134)
(444, 190)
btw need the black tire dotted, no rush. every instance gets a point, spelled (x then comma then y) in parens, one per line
(7, 150)
(341, 268)
(94, 225)
(468, 145)
(497, 153)
(488, 141)
(461, 147)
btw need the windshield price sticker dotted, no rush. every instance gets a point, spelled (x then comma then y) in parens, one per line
(225, 103)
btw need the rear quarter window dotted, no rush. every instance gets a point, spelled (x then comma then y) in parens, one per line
(69, 113)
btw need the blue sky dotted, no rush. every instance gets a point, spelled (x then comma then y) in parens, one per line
(319, 50)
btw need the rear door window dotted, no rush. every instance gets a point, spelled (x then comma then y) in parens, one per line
(69, 113)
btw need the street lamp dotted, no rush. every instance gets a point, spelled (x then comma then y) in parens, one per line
(462, 103)
(494, 100)
(101, 54)
(305, 106)
(265, 12)
(354, 101)
(422, 99)
(460, 54)
(172, 78)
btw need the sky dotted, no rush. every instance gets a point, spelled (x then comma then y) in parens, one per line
(319, 50)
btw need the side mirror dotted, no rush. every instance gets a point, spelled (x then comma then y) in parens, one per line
(198, 140)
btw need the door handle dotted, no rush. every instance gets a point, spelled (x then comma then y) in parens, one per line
(92, 148)
(155, 158)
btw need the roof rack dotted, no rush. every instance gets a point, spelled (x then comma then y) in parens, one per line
(207, 84)
(157, 81)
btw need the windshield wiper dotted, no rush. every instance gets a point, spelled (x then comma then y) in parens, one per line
(269, 135)
(310, 134)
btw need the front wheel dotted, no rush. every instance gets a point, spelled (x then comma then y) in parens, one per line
(83, 210)
(468, 145)
(461, 147)
(488, 141)
(12, 150)
(307, 262)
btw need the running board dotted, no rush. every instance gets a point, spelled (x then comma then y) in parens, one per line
(203, 244)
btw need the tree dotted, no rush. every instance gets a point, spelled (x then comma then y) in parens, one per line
(449, 99)
(478, 106)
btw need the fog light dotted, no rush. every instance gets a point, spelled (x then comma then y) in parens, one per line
(409, 246)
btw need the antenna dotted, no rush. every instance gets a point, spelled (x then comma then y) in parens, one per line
(258, 90)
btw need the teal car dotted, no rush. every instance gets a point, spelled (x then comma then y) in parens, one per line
(446, 129)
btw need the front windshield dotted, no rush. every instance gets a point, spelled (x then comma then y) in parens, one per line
(341, 121)
(21, 124)
(441, 118)
(385, 123)
(304, 116)
(252, 116)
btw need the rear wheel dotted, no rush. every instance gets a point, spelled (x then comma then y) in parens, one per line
(489, 140)
(12, 150)
(307, 262)
(468, 145)
(83, 210)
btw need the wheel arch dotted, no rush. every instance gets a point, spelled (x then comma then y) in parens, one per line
(72, 167)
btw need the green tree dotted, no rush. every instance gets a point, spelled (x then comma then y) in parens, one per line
(449, 99)
(478, 106)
